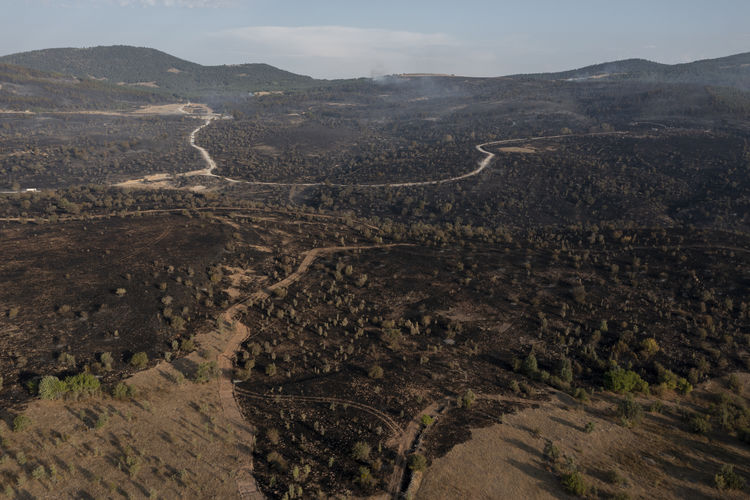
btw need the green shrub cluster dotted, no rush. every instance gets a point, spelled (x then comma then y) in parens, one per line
(727, 479)
(624, 381)
(76, 386)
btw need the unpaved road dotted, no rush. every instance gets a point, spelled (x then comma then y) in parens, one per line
(211, 164)
(246, 484)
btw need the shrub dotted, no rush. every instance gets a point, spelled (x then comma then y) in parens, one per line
(139, 360)
(271, 369)
(727, 479)
(630, 411)
(734, 384)
(123, 391)
(131, 463)
(187, 345)
(83, 384)
(273, 436)
(275, 459)
(207, 371)
(21, 423)
(566, 370)
(106, 360)
(365, 478)
(467, 399)
(66, 360)
(699, 424)
(39, 472)
(417, 462)
(551, 452)
(581, 394)
(427, 420)
(623, 381)
(574, 484)
(529, 366)
(375, 372)
(361, 451)
(649, 347)
(51, 387)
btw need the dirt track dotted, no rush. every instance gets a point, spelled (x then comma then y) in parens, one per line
(246, 485)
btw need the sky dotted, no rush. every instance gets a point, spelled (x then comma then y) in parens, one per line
(354, 38)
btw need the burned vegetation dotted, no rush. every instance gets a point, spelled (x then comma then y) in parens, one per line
(373, 270)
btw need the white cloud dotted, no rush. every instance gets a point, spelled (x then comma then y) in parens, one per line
(342, 51)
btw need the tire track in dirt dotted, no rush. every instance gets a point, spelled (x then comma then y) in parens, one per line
(383, 417)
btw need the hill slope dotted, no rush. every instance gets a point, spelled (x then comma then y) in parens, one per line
(24, 88)
(730, 71)
(154, 69)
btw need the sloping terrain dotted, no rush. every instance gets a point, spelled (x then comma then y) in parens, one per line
(730, 71)
(150, 68)
(23, 88)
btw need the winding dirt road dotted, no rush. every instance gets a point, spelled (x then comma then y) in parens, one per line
(211, 163)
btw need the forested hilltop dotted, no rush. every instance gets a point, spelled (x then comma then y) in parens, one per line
(29, 89)
(157, 70)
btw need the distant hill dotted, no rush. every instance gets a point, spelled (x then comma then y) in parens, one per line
(156, 70)
(731, 71)
(28, 89)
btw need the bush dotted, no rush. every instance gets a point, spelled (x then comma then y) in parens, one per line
(139, 360)
(365, 478)
(467, 399)
(574, 484)
(566, 371)
(630, 411)
(727, 479)
(21, 423)
(529, 366)
(106, 360)
(83, 384)
(427, 420)
(207, 371)
(375, 372)
(699, 424)
(744, 435)
(275, 459)
(51, 387)
(649, 347)
(187, 345)
(734, 384)
(623, 381)
(123, 391)
(361, 451)
(417, 462)
(551, 452)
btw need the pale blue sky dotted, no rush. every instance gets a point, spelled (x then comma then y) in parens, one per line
(346, 38)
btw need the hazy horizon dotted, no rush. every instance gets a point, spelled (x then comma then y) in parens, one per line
(336, 39)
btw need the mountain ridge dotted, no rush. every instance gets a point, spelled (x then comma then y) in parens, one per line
(729, 71)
